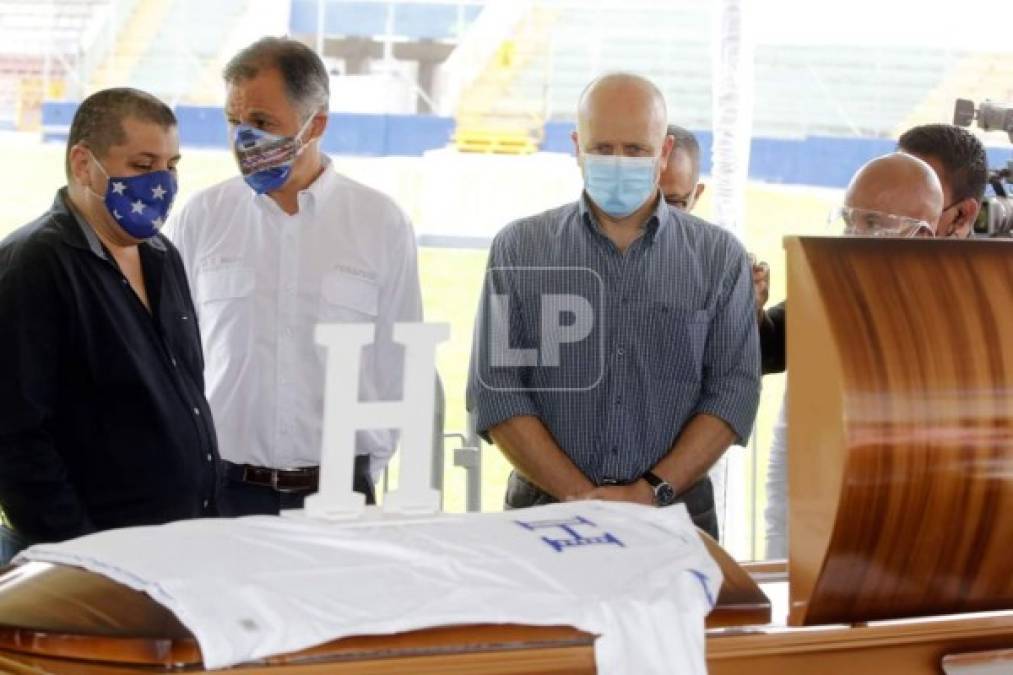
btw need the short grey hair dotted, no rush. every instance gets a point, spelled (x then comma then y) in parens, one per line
(685, 140)
(307, 82)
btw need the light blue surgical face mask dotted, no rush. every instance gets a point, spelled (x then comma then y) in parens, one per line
(620, 185)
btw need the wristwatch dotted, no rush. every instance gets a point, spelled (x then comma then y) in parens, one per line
(664, 493)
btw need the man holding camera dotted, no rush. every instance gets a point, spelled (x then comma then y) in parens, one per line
(958, 159)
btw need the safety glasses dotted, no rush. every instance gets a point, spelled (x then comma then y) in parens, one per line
(857, 222)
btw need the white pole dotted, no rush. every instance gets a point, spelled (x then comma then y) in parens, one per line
(733, 47)
(388, 39)
(48, 56)
(320, 27)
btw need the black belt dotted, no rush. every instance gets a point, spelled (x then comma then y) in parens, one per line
(283, 480)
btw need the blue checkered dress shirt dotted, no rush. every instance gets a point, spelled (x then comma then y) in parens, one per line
(674, 335)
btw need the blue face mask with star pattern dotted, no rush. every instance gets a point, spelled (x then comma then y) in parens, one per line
(139, 204)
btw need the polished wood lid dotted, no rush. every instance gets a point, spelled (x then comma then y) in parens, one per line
(900, 412)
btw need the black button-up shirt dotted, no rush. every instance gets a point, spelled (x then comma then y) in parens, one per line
(103, 420)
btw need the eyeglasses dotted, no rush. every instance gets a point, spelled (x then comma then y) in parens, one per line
(857, 222)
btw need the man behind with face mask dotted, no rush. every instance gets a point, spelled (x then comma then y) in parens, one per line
(103, 421)
(642, 410)
(680, 179)
(270, 254)
(959, 159)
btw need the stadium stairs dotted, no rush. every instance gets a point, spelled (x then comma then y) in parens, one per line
(801, 90)
(40, 55)
(142, 20)
(181, 63)
(977, 77)
(492, 116)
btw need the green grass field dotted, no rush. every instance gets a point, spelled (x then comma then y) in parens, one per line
(451, 278)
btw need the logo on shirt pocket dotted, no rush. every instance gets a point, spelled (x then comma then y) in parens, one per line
(225, 306)
(224, 283)
(348, 298)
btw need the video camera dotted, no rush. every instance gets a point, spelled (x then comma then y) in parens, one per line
(991, 116)
(996, 216)
(995, 219)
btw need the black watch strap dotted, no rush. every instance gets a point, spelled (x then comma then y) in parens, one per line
(653, 479)
(664, 493)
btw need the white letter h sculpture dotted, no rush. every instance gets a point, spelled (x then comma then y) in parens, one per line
(344, 415)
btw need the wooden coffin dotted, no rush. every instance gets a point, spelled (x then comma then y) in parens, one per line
(900, 401)
(900, 408)
(901, 488)
(57, 619)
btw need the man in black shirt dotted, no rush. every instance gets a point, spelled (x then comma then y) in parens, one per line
(103, 421)
(773, 325)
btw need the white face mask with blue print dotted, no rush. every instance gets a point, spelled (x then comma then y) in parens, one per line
(266, 159)
(620, 185)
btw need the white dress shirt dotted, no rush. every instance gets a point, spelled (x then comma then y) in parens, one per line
(263, 279)
(776, 513)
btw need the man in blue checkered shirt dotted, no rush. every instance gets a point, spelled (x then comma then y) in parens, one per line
(615, 353)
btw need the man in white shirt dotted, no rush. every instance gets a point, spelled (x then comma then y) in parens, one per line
(270, 254)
